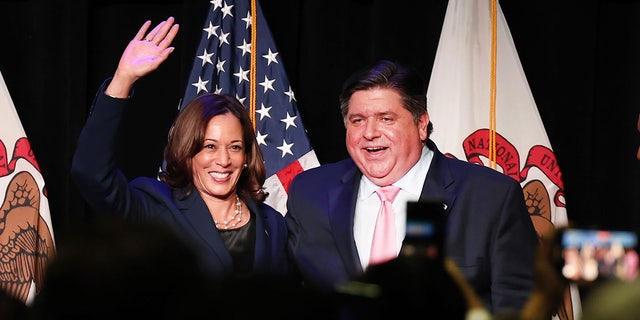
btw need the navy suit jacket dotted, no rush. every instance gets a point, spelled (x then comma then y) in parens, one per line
(107, 190)
(489, 232)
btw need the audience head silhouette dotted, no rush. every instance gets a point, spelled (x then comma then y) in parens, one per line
(113, 268)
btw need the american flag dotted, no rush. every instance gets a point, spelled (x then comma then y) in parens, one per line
(237, 56)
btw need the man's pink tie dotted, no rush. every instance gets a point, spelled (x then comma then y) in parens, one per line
(383, 247)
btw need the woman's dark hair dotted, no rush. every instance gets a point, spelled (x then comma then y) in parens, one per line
(186, 138)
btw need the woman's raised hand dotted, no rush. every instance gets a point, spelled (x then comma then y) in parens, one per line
(144, 54)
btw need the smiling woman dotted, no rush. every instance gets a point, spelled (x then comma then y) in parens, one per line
(214, 170)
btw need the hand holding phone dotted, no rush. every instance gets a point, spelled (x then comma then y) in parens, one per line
(425, 229)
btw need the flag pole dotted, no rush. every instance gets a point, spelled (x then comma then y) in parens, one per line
(492, 87)
(254, 71)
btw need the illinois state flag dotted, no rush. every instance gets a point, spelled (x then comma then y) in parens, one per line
(26, 233)
(483, 112)
(237, 56)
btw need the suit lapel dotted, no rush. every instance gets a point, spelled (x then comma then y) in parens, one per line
(439, 178)
(263, 238)
(342, 204)
(197, 215)
(440, 183)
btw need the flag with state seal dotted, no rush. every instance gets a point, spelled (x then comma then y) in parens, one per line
(484, 112)
(26, 233)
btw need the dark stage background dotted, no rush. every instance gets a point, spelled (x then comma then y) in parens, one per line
(581, 59)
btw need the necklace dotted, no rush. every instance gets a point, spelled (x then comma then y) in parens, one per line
(237, 217)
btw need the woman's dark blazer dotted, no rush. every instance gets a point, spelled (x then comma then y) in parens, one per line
(107, 190)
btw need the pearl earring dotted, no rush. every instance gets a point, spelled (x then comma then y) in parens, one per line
(244, 165)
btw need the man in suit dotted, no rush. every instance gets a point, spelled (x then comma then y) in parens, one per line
(332, 209)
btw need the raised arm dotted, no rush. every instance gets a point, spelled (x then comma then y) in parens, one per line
(144, 54)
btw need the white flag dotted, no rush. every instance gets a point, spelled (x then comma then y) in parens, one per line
(26, 233)
(488, 115)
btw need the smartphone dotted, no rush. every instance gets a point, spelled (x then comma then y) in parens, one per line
(425, 229)
(588, 255)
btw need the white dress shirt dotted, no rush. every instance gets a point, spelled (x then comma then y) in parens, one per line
(368, 204)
